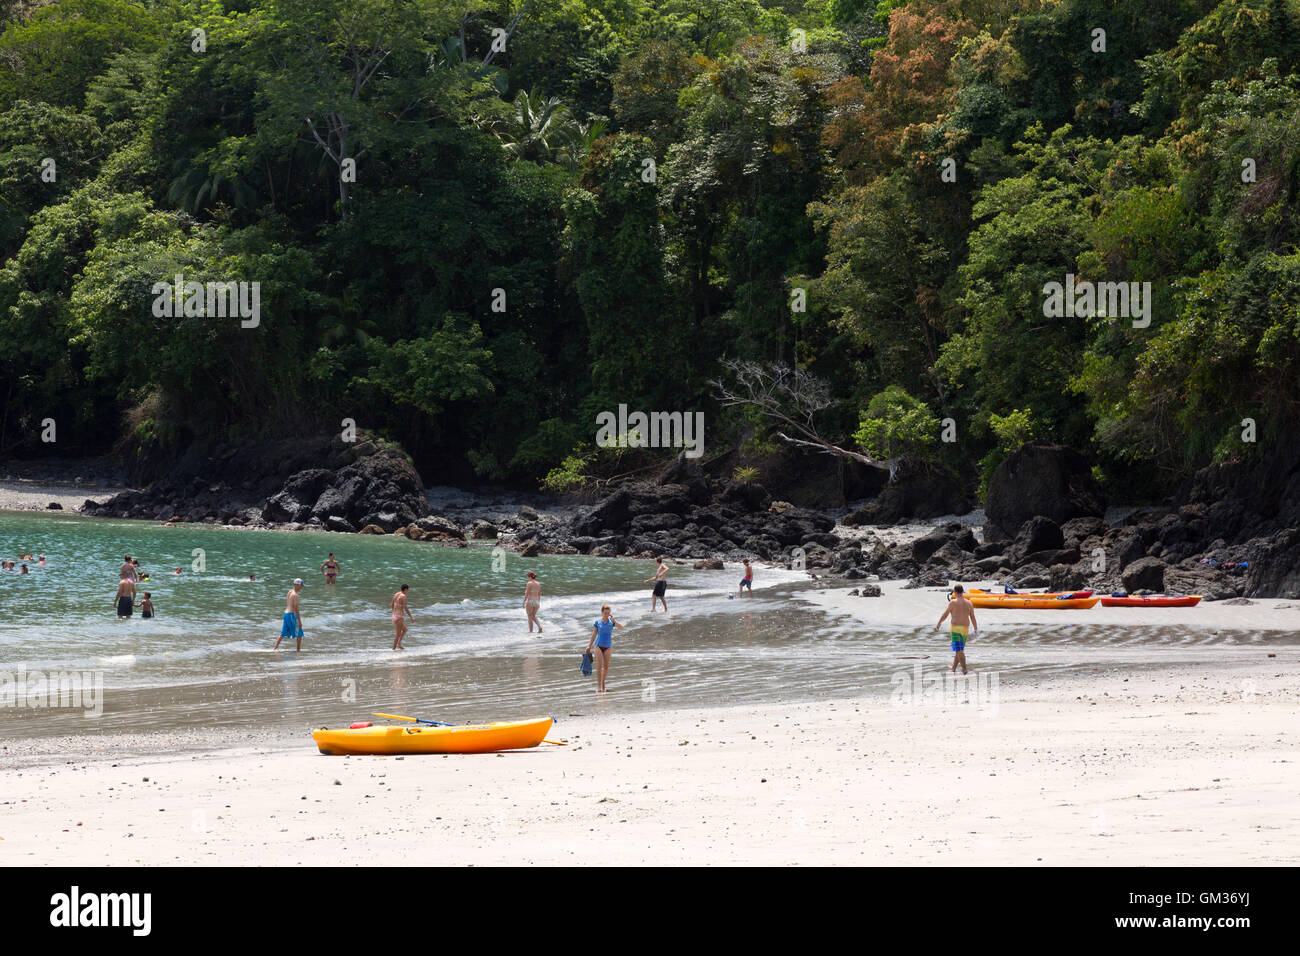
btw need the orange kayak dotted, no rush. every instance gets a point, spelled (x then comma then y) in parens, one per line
(1030, 601)
(457, 739)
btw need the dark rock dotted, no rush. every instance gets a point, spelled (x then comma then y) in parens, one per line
(484, 531)
(1211, 583)
(918, 493)
(530, 550)
(1078, 530)
(1049, 480)
(1066, 577)
(527, 513)
(749, 495)
(1144, 573)
(657, 522)
(708, 564)
(1037, 534)
(372, 529)
(54, 506)
(441, 527)
(990, 564)
(333, 522)
(870, 590)
(1275, 566)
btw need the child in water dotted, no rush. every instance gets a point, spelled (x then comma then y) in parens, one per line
(146, 606)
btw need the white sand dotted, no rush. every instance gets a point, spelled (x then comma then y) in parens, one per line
(1197, 766)
(36, 496)
(899, 606)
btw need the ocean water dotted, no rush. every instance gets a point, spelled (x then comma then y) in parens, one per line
(206, 660)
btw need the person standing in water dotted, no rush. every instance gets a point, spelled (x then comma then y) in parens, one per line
(127, 570)
(602, 633)
(963, 621)
(146, 606)
(660, 578)
(533, 601)
(292, 625)
(400, 608)
(746, 580)
(330, 568)
(125, 597)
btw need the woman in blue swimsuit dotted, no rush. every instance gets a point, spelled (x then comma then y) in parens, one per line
(602, 633)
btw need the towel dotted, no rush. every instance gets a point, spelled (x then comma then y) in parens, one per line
(586, 663)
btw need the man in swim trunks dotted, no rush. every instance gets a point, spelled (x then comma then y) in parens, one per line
(602, 633)
(963, 621)
(125, 597)
(747, 581)
(292, 625)
(399, 607)
(533, 601)
(660, 578)
(330, 568)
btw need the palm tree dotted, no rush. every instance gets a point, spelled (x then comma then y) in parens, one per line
(541, 130)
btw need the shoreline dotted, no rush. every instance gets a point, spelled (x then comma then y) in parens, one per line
(1191, 765)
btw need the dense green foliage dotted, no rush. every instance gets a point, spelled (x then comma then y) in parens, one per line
(474, 248)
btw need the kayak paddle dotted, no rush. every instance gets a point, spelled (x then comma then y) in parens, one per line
(434, 723)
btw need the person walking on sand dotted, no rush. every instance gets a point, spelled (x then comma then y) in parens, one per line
(330, 568)
(125, 597)
(660, 578)
(963, 621)
(746, 580)
(292, 625)
(400, 608)
(533, 601)
(602, 633)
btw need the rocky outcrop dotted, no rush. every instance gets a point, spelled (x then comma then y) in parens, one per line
(317, 482)
(918, 494)
(1049, 480)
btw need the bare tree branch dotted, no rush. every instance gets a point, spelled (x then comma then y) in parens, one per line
(790, 397)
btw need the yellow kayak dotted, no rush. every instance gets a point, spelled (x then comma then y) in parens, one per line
(459, 739)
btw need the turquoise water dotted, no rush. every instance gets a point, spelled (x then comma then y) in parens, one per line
(207, 659)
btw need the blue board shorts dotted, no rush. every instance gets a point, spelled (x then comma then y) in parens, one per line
(290, 626)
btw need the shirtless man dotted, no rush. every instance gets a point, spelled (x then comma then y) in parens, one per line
(125, 597)
(963, 621)
(746, 580)
(330, 568)
(660, 578)
(292, 625)
(400, 607)
(533, 601)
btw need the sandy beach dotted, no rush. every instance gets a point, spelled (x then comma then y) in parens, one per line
(1194, 766)
(37, 496)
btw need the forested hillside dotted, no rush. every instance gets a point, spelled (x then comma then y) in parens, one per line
(477, 225)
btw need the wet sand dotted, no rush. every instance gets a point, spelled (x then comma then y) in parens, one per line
(1191, 766)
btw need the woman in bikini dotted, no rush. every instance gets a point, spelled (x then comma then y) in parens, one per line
(330, 568)
(533, 601)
